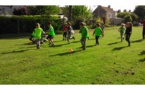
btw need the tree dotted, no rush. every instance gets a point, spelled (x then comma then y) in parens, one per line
(20, 11)
(79, 13)
(127, 18)
(140, 11)
(128, 15)
(41, 10)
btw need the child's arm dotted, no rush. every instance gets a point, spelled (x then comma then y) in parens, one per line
(101, 31)
(93, 33)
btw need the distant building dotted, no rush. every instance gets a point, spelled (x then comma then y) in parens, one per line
(108, 13)
(102, 11)
(8, 10)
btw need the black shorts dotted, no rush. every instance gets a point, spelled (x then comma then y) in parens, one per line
(50, 37)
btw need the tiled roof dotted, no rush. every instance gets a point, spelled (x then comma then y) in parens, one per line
(108, 9)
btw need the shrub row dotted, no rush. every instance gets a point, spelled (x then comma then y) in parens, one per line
(26, 24)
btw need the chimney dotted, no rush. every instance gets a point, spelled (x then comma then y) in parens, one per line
(109, 6)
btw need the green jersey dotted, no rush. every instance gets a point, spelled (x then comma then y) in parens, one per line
(122, 29)
(84, 32)
(33, 34)
(98, 31)
(38, 32)
(51, 31)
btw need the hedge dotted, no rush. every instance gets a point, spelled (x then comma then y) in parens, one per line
(26, 24)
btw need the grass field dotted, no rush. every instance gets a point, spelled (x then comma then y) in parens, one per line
(111, 62)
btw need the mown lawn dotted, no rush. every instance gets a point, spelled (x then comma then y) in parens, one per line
(111, 62)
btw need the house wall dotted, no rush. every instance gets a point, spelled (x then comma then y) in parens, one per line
(99, 12)
(10, 9)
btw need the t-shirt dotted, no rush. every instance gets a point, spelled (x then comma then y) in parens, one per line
(122, 29)
(84, 31)
(98, 31)
(51, 31)
(65, 28)
(38, 32)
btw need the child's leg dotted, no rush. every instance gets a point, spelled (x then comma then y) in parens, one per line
(83, 42)
(143, 33)
(97, 42)
(51, 41)
(68, 38)
(38, 44)
(65, 35)
(127, 39)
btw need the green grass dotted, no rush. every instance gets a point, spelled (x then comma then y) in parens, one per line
(112, 62)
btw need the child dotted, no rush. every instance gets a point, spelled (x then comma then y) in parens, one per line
(50, 33)
(65, 31)
(84, 34)
(121, 30)
(97, 32)
(70, 32)
(37, 32)
(102, 27)
(128, 32)
(143, 31)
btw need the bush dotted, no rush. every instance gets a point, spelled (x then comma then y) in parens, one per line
(26, 24)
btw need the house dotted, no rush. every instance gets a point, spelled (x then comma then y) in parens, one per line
(102, 11)
(8, 10)
(107, 13)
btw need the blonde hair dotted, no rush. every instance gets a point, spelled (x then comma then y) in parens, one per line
(38, 25)
(83, 23)
(130, 23)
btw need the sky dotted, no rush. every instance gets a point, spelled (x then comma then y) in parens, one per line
(115, 4)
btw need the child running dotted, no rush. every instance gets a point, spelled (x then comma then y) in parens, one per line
(121, 30)
(65, 31)
(84, 34)
(69, 33)
(128, 32)
(97, 32)
(102, 27)
(50, 33)
(37, 34)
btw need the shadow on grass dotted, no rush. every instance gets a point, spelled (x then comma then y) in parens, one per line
(136, 41)
(89, 46)
(142, 60)
(113, 43)
(142, 53)
(59, 45)
(119, 48)
(14, 52)
(66, 53)
(75, 41)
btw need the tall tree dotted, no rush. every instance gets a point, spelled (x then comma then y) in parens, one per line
(140, 11)
(128, 16)
(79, 12)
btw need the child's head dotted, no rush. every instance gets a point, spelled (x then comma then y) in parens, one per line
(129, 24)
(82, 24)
(122, 24)
(68, 23)
(37, 25)
(97, 25)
